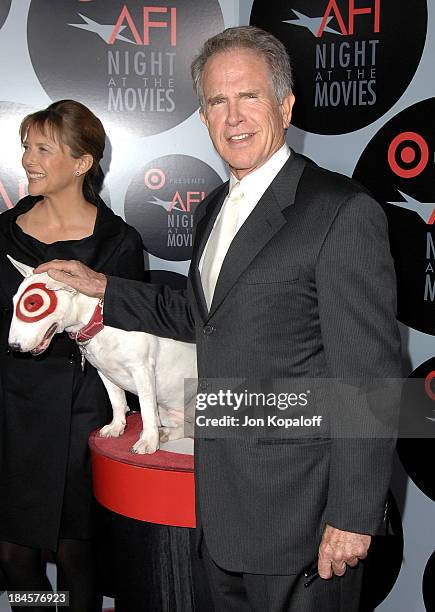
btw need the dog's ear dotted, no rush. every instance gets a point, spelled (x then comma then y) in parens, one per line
(55, 285)
(24, 269)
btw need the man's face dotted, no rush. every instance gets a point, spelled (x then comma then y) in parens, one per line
(242, 115)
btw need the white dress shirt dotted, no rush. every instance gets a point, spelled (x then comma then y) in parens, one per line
(253, 186)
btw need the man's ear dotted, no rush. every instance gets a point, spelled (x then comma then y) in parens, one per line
(24, 269)
(55, 285)
(287, 109)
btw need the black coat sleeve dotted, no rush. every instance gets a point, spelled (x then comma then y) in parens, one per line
(154, 309)
(357, 299)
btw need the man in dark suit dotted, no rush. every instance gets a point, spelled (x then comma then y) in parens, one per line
(291, 278)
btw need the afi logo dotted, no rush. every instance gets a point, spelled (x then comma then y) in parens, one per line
(170, 22)
(177, 202)
(332, 10)
(192, 197)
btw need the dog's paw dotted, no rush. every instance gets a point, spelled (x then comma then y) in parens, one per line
(146, 446)
(164, 433)
(112, 430)
(171, 433)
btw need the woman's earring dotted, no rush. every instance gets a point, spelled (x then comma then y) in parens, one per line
(77, 173)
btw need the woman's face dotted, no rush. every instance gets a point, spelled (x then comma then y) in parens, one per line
(49, 165)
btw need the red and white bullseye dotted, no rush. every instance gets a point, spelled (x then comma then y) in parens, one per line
(154, 178)
(408, 155)
(36, 303)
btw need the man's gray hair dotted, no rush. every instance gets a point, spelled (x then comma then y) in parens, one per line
(246, 37)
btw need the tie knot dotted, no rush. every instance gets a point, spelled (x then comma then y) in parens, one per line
(236, 193)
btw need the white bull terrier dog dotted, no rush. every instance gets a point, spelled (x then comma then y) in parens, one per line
(160, 371)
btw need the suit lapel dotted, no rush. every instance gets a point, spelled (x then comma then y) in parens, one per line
(262, 224)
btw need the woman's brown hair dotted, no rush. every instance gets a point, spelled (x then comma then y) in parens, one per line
(73, 124)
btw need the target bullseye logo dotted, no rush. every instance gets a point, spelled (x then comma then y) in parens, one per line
(408, 154)
(36, 303)
(154, 178)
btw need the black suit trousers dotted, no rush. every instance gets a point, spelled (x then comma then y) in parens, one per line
(240, 592)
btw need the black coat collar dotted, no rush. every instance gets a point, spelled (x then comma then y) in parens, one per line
(109, 230)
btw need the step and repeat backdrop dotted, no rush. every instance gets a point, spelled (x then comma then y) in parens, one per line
(365, 106)
(365, 87)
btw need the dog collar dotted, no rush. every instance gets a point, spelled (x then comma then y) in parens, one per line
(92, 328)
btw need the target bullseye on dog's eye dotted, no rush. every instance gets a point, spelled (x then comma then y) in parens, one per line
(36, 303)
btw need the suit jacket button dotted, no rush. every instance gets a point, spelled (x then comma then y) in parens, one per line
(209, 330)
(72, 358)
(202, 384)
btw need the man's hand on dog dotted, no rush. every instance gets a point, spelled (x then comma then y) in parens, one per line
(76, 275)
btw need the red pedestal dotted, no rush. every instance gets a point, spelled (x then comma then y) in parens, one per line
(156, 488)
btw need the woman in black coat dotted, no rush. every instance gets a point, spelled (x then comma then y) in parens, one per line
(49, 405)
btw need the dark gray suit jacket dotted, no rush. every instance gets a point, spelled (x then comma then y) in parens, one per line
(307, 289)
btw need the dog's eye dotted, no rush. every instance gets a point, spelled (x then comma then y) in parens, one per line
(33, 302)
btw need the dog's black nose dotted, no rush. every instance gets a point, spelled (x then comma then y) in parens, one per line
(15, 346)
